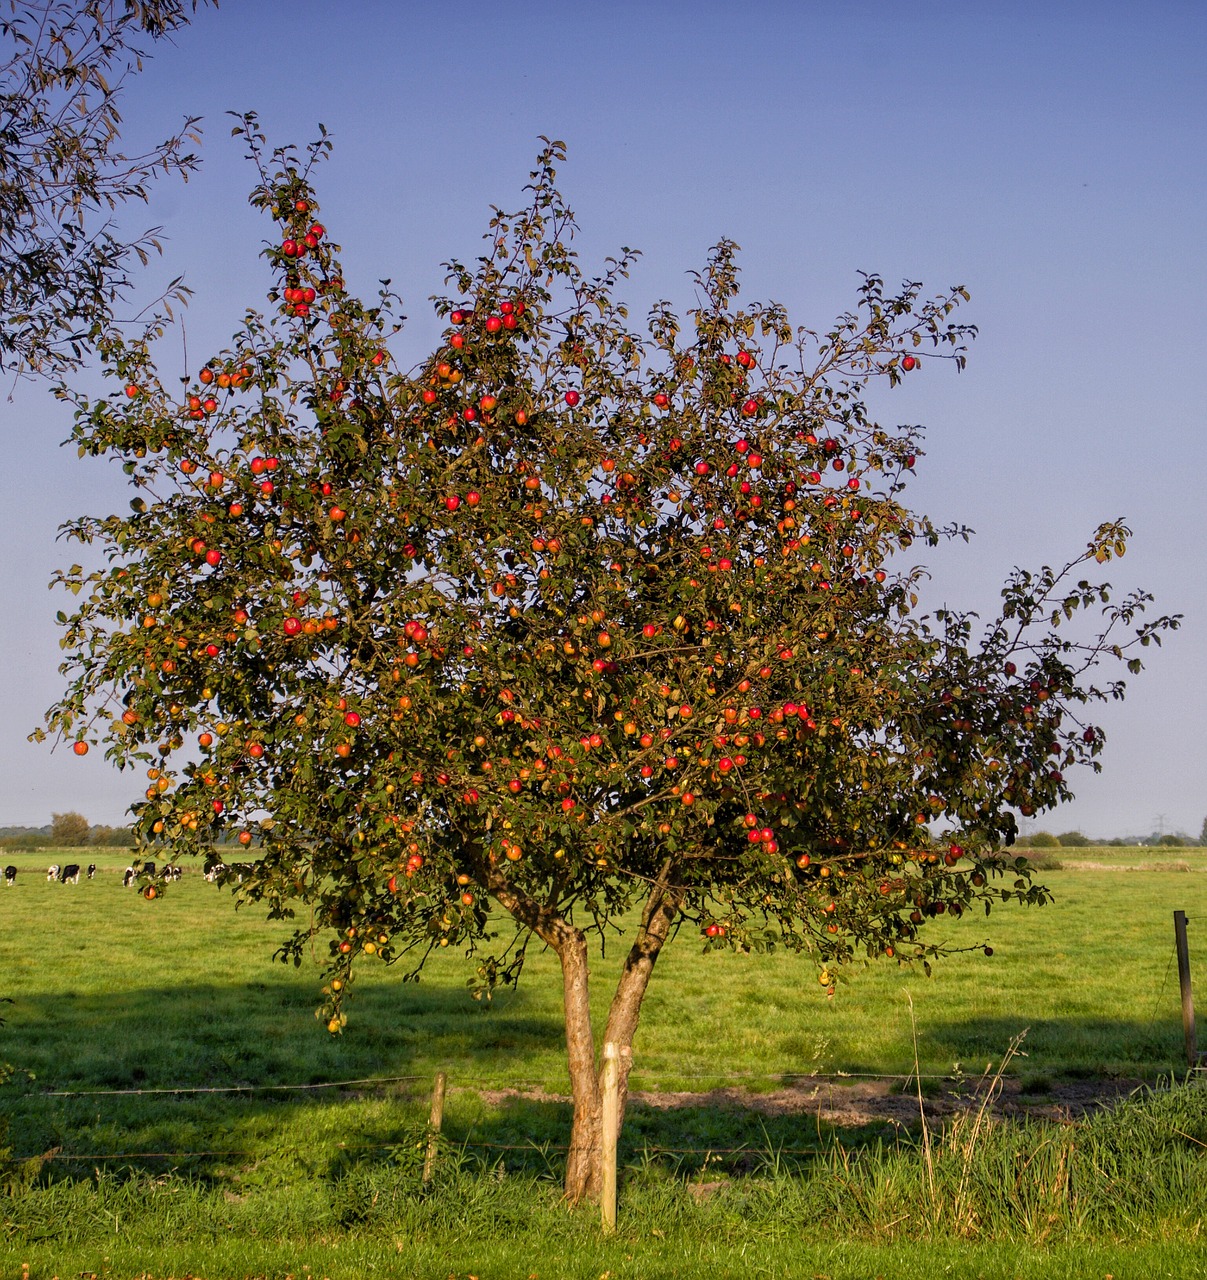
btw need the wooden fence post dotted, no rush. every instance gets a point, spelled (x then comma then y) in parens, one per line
(435, 1120)
(1179, 933)
(611, 1126)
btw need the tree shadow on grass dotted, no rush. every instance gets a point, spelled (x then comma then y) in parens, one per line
(1073, 1047)
(238, 1047)
(216, 1081)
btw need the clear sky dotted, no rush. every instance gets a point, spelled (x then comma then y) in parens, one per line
(1047, 156)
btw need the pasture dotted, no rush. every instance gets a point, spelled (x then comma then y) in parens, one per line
(773, 1129)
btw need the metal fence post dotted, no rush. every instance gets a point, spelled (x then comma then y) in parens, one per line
(1188, 1031)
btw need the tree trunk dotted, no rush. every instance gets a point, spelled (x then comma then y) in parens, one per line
(584, 1159)
(657, 920)
(584, 1163)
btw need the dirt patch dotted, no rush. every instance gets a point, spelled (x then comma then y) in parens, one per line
(863, 1102)
(1068, 865)
(855, 1103)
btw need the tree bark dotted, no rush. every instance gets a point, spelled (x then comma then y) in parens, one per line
(657, 920)
(584, 1161)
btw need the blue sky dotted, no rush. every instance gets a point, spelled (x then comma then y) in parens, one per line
(1048, 157)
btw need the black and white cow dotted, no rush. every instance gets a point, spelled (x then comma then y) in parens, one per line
(70, 874)
(214, 874)
(128, 878)
(91, 870)
(52, 872)
(10, 875)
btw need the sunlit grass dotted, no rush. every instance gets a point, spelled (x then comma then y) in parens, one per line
(113, 991)
(116, 993)
(1122, 1195)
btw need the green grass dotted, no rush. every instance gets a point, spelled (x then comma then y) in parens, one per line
(1129, 859)
(116, 993)
(693, 1251)
(1123, 1195)
(113, 991)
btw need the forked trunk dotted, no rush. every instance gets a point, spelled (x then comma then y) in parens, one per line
(584, 1162)
(585, 1159)
(657, 919)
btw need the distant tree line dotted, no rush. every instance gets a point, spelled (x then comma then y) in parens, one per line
(66, 831)
(1076, 840)
(72, 831)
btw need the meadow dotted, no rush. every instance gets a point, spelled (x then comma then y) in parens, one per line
(265, 1170)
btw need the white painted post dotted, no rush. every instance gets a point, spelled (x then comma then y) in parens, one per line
(610, 1126)
(435, 1120)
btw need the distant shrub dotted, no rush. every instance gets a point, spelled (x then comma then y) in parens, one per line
(1042, 861)
(68, 830)
(111, 837)
(31, 840)
(1041, 840)
(1171, 842)
(1036, 859)
(1072, 840)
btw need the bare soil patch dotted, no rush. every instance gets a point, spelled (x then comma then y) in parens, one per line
(856, 1103)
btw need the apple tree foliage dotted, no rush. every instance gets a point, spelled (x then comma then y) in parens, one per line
(575, 622)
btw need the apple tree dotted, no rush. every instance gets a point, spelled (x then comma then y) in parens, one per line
(575, 624)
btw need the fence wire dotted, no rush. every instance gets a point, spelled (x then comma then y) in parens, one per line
(650, 1078)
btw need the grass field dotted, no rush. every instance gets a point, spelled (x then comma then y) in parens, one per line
(114, 993)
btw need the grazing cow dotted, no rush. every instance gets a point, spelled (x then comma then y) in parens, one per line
(52, 871)
(214, 874)
(91, 870)
(70, 873)
(10, 875)
(148, 869)
(171, 873)
(128, 878)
